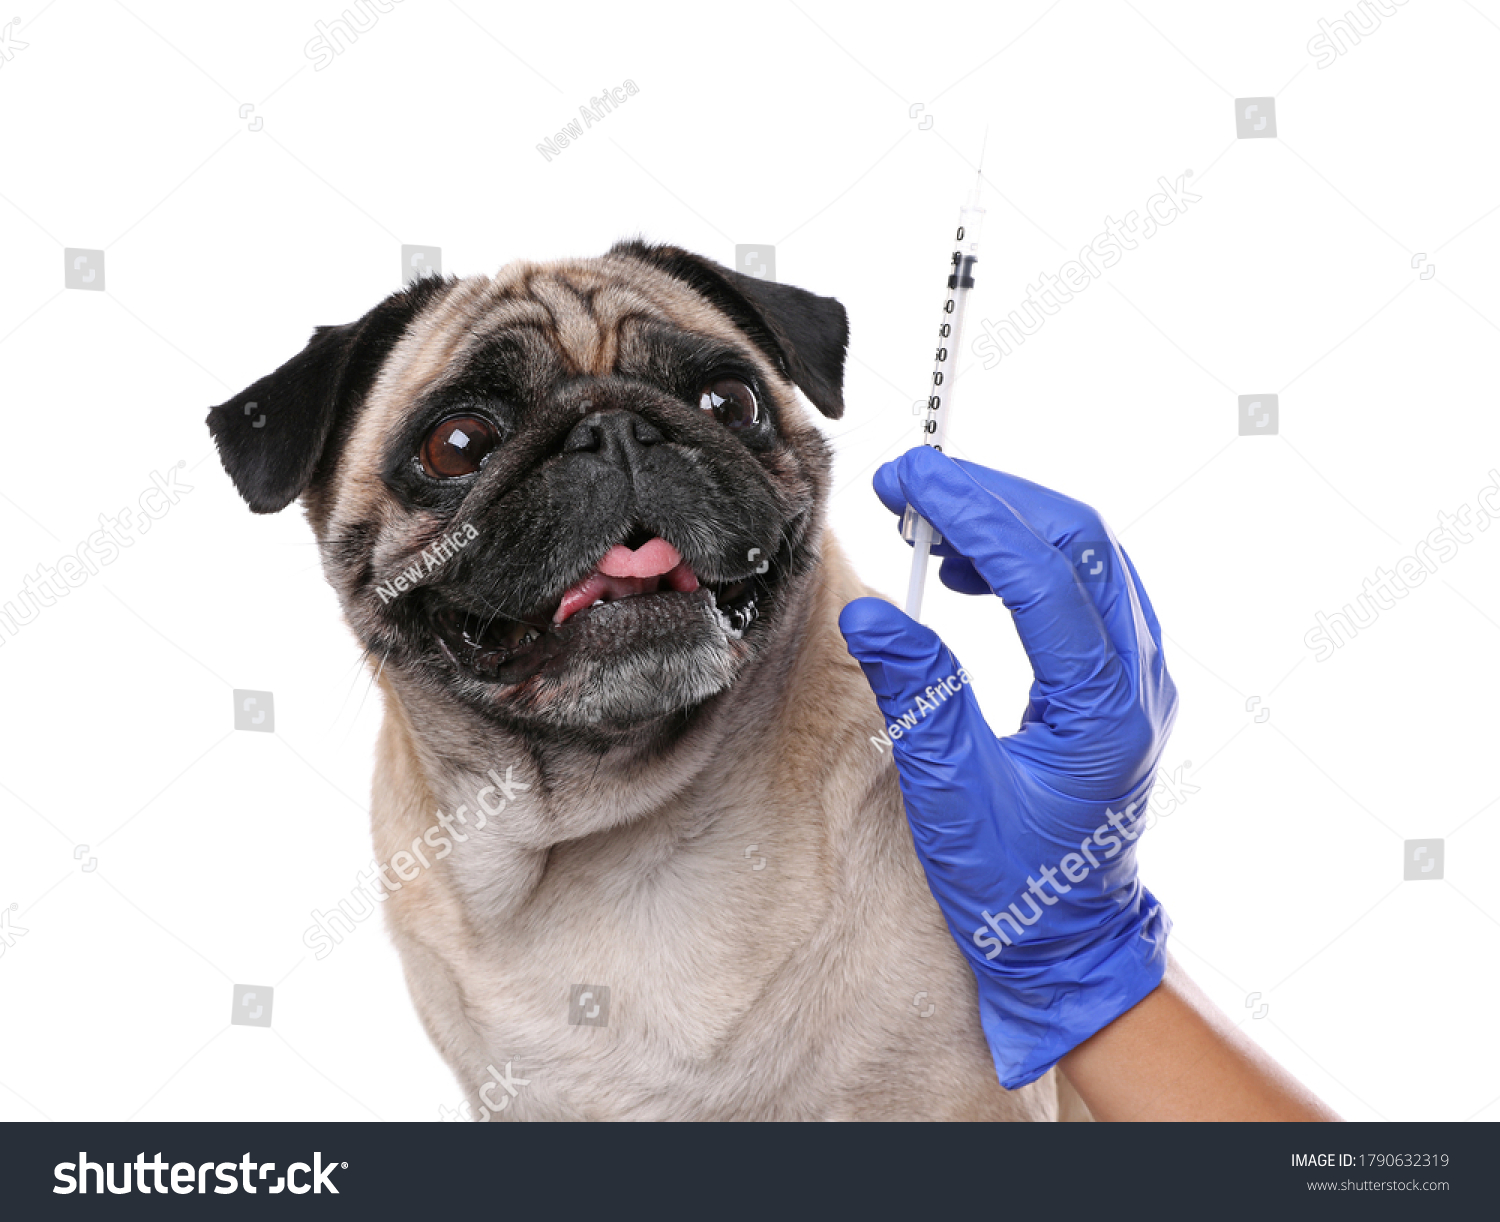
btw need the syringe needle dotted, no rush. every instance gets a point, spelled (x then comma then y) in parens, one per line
(979, 176)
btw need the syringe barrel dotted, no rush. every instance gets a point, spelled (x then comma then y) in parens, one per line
(960, 283)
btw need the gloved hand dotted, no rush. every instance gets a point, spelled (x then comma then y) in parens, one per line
(1029, 841)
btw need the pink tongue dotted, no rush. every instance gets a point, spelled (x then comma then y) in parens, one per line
(651, 559)
(623, 573)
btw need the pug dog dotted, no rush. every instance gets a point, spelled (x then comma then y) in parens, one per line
(649, 860)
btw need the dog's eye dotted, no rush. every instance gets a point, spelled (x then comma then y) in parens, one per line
(732, 402)
(458, 446)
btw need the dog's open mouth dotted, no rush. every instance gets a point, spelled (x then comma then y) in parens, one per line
(632, 585)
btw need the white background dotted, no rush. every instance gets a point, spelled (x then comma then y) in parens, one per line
(788, 123)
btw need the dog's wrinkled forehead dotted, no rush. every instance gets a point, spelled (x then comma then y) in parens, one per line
(533, 326)
(542, 323)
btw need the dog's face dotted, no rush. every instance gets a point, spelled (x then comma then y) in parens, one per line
(578, 496)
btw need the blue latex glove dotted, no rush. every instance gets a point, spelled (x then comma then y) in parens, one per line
(1029, 841)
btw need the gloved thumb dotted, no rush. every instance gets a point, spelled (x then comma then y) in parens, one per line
(922, 690)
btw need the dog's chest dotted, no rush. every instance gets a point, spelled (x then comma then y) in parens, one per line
(674, 995)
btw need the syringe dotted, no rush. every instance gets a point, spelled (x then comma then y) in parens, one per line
(915, 529)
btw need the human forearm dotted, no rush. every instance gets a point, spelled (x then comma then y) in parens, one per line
(1176, 1056)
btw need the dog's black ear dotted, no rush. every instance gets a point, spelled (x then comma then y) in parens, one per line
(806, 335)
(273, 436)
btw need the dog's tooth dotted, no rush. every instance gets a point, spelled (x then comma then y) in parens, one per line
(742, 617)
(598, 602)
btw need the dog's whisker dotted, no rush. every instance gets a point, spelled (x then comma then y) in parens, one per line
(496, 614)
(353, 721)
(353, 679)
(374, 679)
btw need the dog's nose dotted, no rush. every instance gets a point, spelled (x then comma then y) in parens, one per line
(611, 434)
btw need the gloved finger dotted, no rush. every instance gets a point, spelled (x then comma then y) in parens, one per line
(958, 574)
(1072, 527)
(1147, 610)
(888, 489)
(1071, 654)
(946, 753)
(918, 685)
